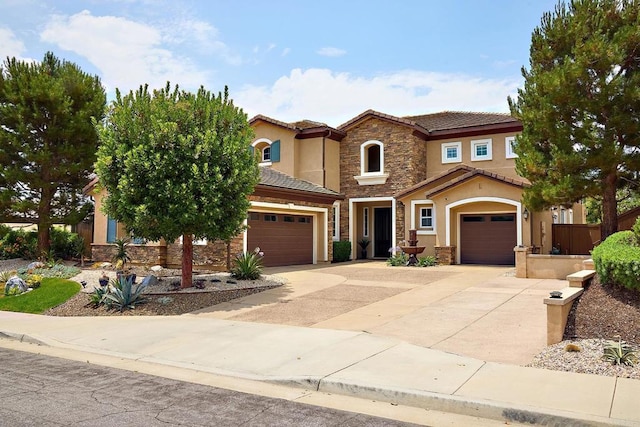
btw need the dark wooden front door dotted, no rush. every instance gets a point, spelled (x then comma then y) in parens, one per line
(381, 232)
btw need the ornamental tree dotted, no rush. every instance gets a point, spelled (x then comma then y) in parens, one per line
(47, 141)
(175, 163)
(580, 106)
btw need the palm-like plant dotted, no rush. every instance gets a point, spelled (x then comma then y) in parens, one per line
(620, 353)
(247, 266)
(121, 257)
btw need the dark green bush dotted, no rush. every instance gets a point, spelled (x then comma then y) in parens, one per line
(617, 260)
(64, 244)
(19, 244)
(4, 230)
(341, 251)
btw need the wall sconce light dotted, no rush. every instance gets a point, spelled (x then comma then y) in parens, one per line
(525, 214)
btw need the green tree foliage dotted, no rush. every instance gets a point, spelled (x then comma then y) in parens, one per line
(627, 198)
(580, 106)
(47, 141)
(175, 164)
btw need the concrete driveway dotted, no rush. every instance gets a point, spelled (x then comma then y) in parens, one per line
(476, 311)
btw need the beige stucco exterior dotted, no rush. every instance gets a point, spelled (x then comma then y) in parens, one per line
(499, 163)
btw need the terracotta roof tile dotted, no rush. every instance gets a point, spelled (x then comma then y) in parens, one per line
(459, 119)
(273, 178)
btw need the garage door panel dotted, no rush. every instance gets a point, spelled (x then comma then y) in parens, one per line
(284, 239)
(487, 239)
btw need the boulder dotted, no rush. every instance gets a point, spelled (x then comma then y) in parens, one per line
(150, 280)
(156, 268)
(15, 285)
(35, 264)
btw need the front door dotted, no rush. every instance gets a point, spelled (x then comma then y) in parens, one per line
(381, 232)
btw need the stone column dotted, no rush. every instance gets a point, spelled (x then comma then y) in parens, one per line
(446, 255)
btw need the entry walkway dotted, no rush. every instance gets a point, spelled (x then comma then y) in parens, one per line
(475, 311)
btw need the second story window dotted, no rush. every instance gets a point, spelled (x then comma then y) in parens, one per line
(266, 154)
(372, 164)
(452, 152)
(267, 151)
(481, 150)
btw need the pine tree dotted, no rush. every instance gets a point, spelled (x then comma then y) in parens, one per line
(580, 106)
(47, 141)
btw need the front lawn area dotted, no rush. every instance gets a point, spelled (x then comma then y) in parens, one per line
(52, 292)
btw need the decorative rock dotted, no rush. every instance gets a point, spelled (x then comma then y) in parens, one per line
(106, 265)
(15, 282)
(150, 280)
(156, 268)
(35, 264)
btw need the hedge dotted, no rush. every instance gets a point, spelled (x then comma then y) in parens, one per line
(617, 260)
(341, 251)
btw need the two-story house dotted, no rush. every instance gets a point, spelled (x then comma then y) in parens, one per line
(451, 176)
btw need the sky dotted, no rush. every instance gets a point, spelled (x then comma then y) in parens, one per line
(321, 60)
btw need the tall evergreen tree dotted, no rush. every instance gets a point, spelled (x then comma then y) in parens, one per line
(175, 164)
(580, 106)
(47, 141)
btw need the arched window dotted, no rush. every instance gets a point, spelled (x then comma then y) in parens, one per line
(267, 151)
(372, 163)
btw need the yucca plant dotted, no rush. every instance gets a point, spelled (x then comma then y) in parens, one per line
(620, 353)
(247, 266)
(122, 293)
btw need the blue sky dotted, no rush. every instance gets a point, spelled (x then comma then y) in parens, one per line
(325, 60)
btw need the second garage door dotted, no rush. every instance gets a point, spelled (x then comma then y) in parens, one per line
(284, 239)
(488, 239)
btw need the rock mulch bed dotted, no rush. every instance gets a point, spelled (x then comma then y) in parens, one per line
(602, 313)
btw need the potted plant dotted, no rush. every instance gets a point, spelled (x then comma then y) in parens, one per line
(121, 258)
(103, 280)
(364, 243)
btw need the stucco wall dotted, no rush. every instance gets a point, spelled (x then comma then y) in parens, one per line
(499, 163)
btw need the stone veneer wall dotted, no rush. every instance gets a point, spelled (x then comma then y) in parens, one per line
(140, 254)
(446, 255)
(212, 256)
(404, 161)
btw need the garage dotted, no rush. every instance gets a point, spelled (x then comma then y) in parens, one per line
(285, 239)
(488, 239)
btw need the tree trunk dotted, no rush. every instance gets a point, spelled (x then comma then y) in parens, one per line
(187, 260)
(44, 221)
(609, 206)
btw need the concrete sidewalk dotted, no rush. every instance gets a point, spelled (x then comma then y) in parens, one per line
(343, 362)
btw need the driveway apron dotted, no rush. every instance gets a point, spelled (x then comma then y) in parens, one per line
(476, 311)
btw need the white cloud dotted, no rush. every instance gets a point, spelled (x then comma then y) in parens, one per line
(10, 45)
(334, 98)
(331, 51)
(127, 53)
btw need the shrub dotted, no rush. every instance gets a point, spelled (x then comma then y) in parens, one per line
(65, 245)
(4, 230)
(398, 259)
(341, 251)
(247, 266)
(33, 280)
(620, 353)
(19, 244)
(59, 271)
(617, 260)
(427, 261)
(123, 294)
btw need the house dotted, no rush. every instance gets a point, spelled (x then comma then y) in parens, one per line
(450, 176)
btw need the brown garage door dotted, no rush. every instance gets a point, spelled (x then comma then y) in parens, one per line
(488, 239)
(284, 239)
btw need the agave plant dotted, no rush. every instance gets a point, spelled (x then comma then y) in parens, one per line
(620, 353)
(247, 266)
(124, 294)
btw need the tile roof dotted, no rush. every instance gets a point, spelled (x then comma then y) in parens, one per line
(297, 126)
(468, 173)
(459, 119)
(273, 178)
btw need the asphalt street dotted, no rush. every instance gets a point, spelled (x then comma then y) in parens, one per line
(48, 391)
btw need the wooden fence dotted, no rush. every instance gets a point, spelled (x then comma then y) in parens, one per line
(575, 239)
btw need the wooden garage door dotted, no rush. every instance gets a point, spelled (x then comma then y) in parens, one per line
(488, 239)
(284, 239)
